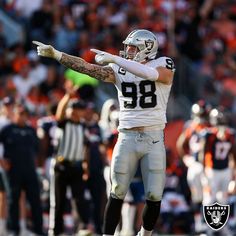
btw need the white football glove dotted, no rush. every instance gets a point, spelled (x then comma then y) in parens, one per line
(103, 57)
(47, 51)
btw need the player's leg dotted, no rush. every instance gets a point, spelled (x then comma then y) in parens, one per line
(32, 195)
(194, 178)
(57, 200)
(139, 200)
(78, 188)
(153, 167)
(13, 205)
(128, 213)
(212, 183)
(224, 180)
(123, 167)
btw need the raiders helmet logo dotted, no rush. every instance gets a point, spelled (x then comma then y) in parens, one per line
(216, 215)
(149, 44)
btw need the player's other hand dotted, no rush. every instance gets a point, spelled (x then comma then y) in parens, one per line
(45, 50)
(103, 57)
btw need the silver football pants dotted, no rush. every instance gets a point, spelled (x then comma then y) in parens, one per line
(132, 147)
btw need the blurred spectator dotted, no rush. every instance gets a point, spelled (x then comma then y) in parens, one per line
(3, 42)
(41, 22)
(20, 150)
(50, 82)
(6, 114)
(38, 71)
(23, 82)
(26, 7)
(187, 26)
(66, 36)
(36, 102)
(18, 57)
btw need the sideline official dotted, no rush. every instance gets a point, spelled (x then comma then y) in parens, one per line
(71, 164)
(20, 150)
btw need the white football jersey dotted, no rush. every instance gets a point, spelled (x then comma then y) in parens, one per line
(142, 102)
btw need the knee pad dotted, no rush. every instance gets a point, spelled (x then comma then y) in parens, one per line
(151, 196)
(118, 191)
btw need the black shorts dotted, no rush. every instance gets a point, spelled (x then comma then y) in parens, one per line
(2, 184)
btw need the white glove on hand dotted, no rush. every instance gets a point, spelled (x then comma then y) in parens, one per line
(47, 51)
(103, 57)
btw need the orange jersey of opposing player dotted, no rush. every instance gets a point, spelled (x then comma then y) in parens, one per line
(191, 144)
(111, 144)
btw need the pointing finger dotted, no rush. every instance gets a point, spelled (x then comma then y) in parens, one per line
(96, 51)
(38, 43)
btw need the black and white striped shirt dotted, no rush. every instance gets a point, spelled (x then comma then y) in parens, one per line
(71, 141)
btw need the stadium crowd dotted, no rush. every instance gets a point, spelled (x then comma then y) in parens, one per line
(201, 38)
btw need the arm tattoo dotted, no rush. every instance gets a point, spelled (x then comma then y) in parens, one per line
(103, 73)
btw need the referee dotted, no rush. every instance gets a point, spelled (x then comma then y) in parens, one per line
(71, 164)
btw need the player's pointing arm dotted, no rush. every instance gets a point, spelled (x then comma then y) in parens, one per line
(103, 73)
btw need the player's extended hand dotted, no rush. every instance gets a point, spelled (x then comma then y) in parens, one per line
(103, 57)
(45, 50)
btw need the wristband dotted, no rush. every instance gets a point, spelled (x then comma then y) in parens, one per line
(57, 55)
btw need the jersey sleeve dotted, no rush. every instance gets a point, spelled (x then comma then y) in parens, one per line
(117, 71)
(166, 62)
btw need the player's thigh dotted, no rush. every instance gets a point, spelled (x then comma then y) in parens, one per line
(123, 165)
(212, 180)
(153, 167)
(226, 176)
(195, 174)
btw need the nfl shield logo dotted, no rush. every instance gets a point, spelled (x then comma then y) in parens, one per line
(216, 215)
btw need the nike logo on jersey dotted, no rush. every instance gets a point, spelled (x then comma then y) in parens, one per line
(155, 141)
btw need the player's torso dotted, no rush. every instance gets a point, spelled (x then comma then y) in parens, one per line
(194, 139)
(218, 149)
(142, 102)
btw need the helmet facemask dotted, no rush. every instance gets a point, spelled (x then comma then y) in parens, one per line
(130, 54)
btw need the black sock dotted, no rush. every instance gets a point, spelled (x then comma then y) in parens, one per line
(112, 215)
(151, 213)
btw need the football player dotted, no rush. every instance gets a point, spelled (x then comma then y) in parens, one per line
(143, 82)
(218, 151)
(189, 148)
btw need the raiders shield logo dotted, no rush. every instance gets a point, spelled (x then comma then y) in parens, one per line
(216, 215)
(149, 44)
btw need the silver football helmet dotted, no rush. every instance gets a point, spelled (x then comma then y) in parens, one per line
(146, 43)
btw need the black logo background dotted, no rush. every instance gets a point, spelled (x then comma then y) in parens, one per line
(216, 215)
